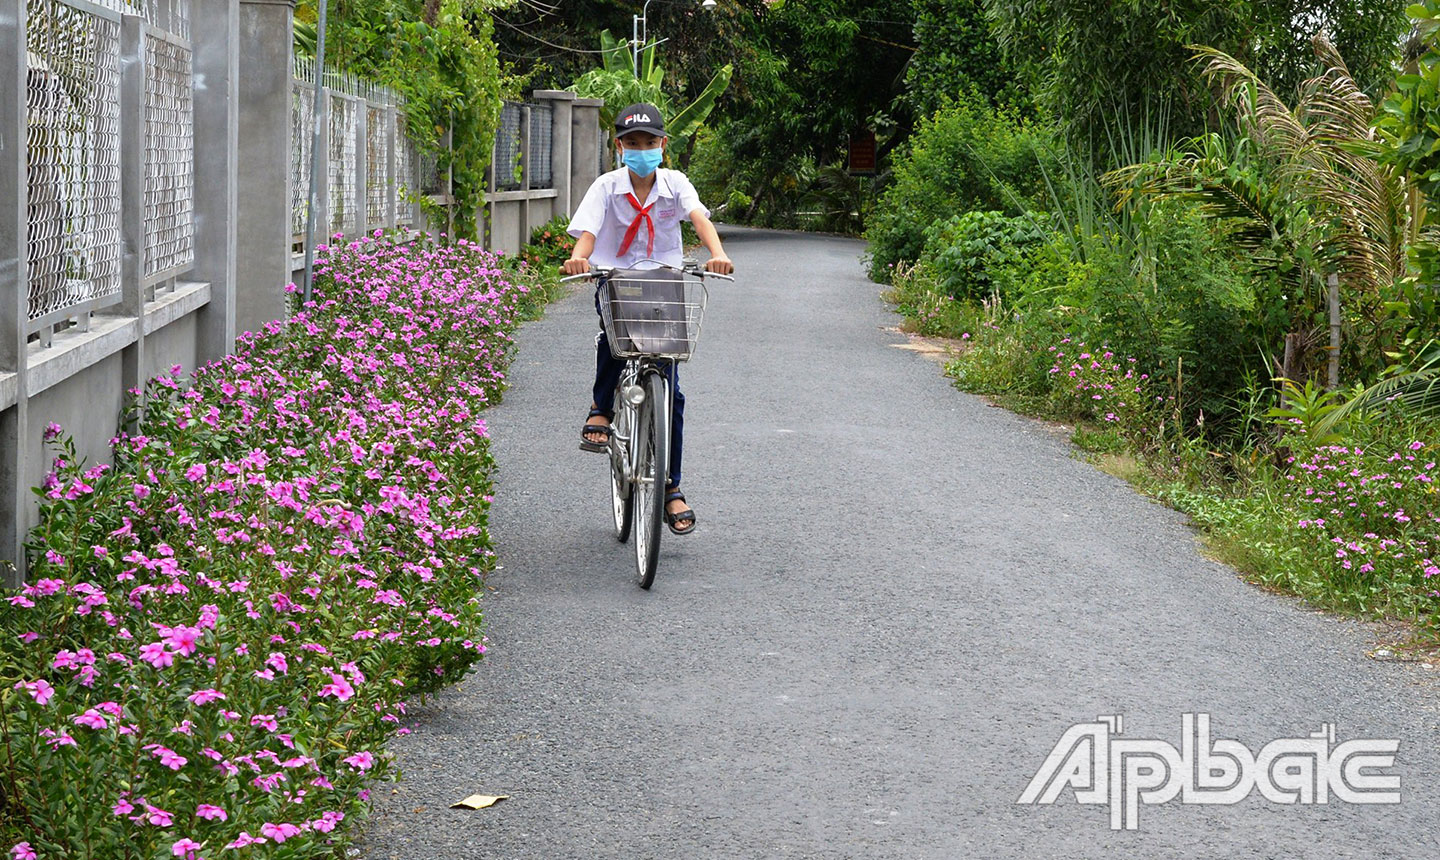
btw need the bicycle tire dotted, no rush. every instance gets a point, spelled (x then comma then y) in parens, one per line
(621, 491)
(648, 493)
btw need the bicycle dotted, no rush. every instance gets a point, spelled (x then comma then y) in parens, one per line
(652, 319)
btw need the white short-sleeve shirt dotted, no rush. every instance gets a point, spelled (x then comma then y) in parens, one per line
(606, 212)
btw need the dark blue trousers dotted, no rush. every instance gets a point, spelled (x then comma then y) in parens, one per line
(607, 375)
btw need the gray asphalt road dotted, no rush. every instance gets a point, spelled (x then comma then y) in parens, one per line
(897, 601)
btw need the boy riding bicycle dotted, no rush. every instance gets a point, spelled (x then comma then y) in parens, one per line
(615, 229)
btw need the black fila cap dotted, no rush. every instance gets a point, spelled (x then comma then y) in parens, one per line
(641, 117)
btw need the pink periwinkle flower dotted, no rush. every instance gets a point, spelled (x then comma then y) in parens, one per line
(91, 719)
(182, 639)
(40, 690)
(210, 812)
(339, 687)
(279, 832)
(361, 761)
(168, 757)
(156, 655)
(158, 817)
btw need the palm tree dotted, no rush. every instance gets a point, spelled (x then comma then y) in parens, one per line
(1305, 178)
(1414, 387)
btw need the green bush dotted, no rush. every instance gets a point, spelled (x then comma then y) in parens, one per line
(967, 252)
(928, 310)
(1180, 303)
(549, 244)
(749, 191)
(965, 157)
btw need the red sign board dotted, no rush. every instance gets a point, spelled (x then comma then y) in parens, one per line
(862, 152)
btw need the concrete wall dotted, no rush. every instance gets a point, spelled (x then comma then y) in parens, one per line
(75, 366)
(574, 164)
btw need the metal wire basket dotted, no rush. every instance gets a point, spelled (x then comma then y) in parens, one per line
(654, 312)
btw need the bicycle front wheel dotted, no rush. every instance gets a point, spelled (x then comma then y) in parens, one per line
(621, 490)
(653, 469)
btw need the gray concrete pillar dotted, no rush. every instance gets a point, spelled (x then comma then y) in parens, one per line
(321, 144)
(216, 40)
(361, 199)
(585, 145)
(263, 235)
(524, 179)
(561, 143)
(14, 292)
(132, 193)
(393, 141)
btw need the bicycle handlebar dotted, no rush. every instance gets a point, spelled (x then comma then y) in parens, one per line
(604, 271)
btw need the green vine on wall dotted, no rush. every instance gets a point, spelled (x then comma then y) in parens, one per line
(440, 55)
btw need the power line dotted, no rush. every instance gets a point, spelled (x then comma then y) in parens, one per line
(542, 41)
(911, 48)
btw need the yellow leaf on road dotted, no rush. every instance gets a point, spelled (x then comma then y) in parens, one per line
(478, 801)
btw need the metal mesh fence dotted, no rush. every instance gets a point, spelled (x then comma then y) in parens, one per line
(384, 126)
(542, 128)
(169, 157)
(172, 16)
(377, 178)
(427, 173)
(507, 148)
(342, 175)
(407, 213)
(73, 155)
(302, 125)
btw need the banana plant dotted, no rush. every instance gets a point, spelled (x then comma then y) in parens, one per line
(619, 86)
(689, 119)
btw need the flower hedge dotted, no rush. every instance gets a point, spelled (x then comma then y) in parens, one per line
(1374, 516)
(219, 631)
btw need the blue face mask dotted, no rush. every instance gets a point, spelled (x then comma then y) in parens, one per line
(643, 161)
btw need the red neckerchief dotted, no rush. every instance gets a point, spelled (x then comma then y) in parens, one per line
(642, 213)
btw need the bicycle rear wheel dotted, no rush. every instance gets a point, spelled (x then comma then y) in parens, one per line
(621, 490)
(653, 468)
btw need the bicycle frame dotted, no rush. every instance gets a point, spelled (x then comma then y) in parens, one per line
(623, 453)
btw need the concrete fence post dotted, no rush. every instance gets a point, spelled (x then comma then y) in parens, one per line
(561, 104)
(216, 65)
(132, 193)
(392, 161)
(361, 201)
(585, 140)
(322, 169)
(263, 228)
(524, 178)
(14, 291)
